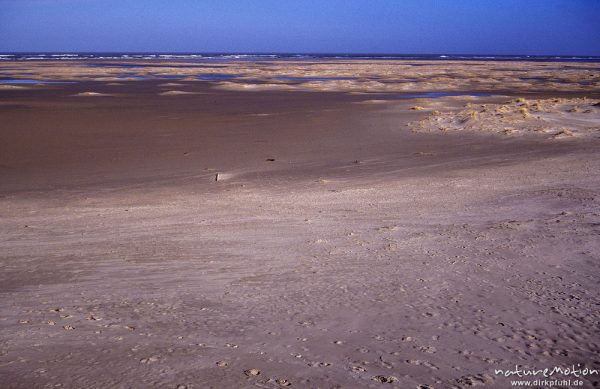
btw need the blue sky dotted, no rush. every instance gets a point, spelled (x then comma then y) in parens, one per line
(560, 27)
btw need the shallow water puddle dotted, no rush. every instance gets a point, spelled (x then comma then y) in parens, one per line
(29, 81)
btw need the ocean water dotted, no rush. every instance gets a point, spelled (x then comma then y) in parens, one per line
(216, 77)
(271, 56)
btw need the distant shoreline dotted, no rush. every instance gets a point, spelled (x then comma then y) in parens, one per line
(29, 56)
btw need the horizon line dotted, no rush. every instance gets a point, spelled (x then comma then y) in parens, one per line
(294, 53)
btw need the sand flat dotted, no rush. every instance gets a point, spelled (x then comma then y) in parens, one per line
(349, 244)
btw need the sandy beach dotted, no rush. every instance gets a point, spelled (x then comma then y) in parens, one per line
(304, 224)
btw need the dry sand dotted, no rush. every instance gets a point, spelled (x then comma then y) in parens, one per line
(345, 245)
(557, 118)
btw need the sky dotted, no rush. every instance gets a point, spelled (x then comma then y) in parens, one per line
(532, 27)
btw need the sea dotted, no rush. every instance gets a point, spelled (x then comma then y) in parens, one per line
(22, 56)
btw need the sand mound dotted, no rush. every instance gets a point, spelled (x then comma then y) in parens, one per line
(565, 133)
(11, 87)
(91, 94)
(170, 84)
(563, 118)
(253, 87)
(374, 101)
(176, 93)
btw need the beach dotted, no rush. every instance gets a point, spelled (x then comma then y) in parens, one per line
(347, 223)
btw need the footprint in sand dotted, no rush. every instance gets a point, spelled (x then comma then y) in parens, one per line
(282, 382)
(385, 364)
(319, 364)
(476, 380)
(421, 363)
(427, 349)
(252, 372)
(385, 379)
(149, 360)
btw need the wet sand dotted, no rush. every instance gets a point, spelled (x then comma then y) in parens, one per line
(353, 239)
